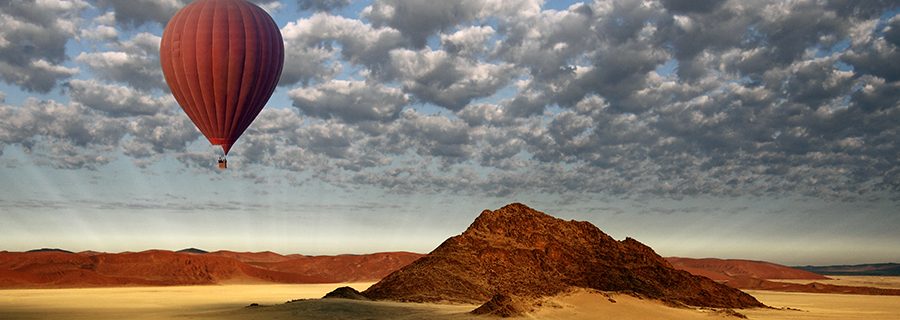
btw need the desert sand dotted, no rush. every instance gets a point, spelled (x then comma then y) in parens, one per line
(185, 302)
(824, 306)
(581, 304)
(885, 282)
(589, 304)
(231, 301)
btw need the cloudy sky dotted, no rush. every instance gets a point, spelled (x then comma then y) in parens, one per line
(742, 129)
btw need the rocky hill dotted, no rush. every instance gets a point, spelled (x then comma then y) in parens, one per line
(519, 251)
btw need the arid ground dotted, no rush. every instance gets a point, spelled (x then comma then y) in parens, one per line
(184, 302)
(802, 306)
(886, 282)
(231, 301)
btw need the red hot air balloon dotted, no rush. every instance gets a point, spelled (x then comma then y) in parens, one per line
(222, 60)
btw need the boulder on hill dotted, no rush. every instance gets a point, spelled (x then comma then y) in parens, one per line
(521, 252)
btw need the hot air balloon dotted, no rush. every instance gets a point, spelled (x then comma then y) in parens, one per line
(222, 60)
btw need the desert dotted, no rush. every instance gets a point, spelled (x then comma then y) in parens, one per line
(884, 282)
(232, 301)
(449, 159)
(513, 262)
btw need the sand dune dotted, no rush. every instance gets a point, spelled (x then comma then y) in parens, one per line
(251, 257)
(589, 304)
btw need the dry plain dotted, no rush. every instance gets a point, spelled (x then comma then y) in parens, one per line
(886, 282)
(231, 301)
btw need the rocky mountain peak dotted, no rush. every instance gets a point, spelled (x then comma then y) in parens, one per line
(522, 252)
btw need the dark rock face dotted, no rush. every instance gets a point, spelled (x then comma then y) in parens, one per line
(522, 252)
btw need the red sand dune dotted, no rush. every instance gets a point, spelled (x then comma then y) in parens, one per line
(347, 268)
(52, 269)
(339, 268)
(726, 269)
(251, 257)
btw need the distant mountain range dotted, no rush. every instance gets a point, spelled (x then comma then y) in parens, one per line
(761, 275)
(50, 250)
(725, 270)
(56, 268)
(872, 269)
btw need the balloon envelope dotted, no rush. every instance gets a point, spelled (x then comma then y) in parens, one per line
(222, 60)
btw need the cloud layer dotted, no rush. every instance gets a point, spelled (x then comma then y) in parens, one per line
(627, 98)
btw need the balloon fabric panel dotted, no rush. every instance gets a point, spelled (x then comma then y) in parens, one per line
(222, 60)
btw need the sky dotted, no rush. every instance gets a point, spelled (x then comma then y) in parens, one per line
(703, 128)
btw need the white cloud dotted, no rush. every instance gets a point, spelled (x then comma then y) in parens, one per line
(160, 134)
(350, 101)
(435, 136)
(118, 101)
(360, 44)
(483, 114)
(133, 13)
(468, 42)
(417, 20)
(103, 28)
(66, 136)
(445, 80)
(269, 6)
(134, 62)
(100, 33)
(33, 37)
(322, 5)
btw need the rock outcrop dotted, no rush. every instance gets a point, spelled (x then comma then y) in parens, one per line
(521, 252)
(345, 293)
